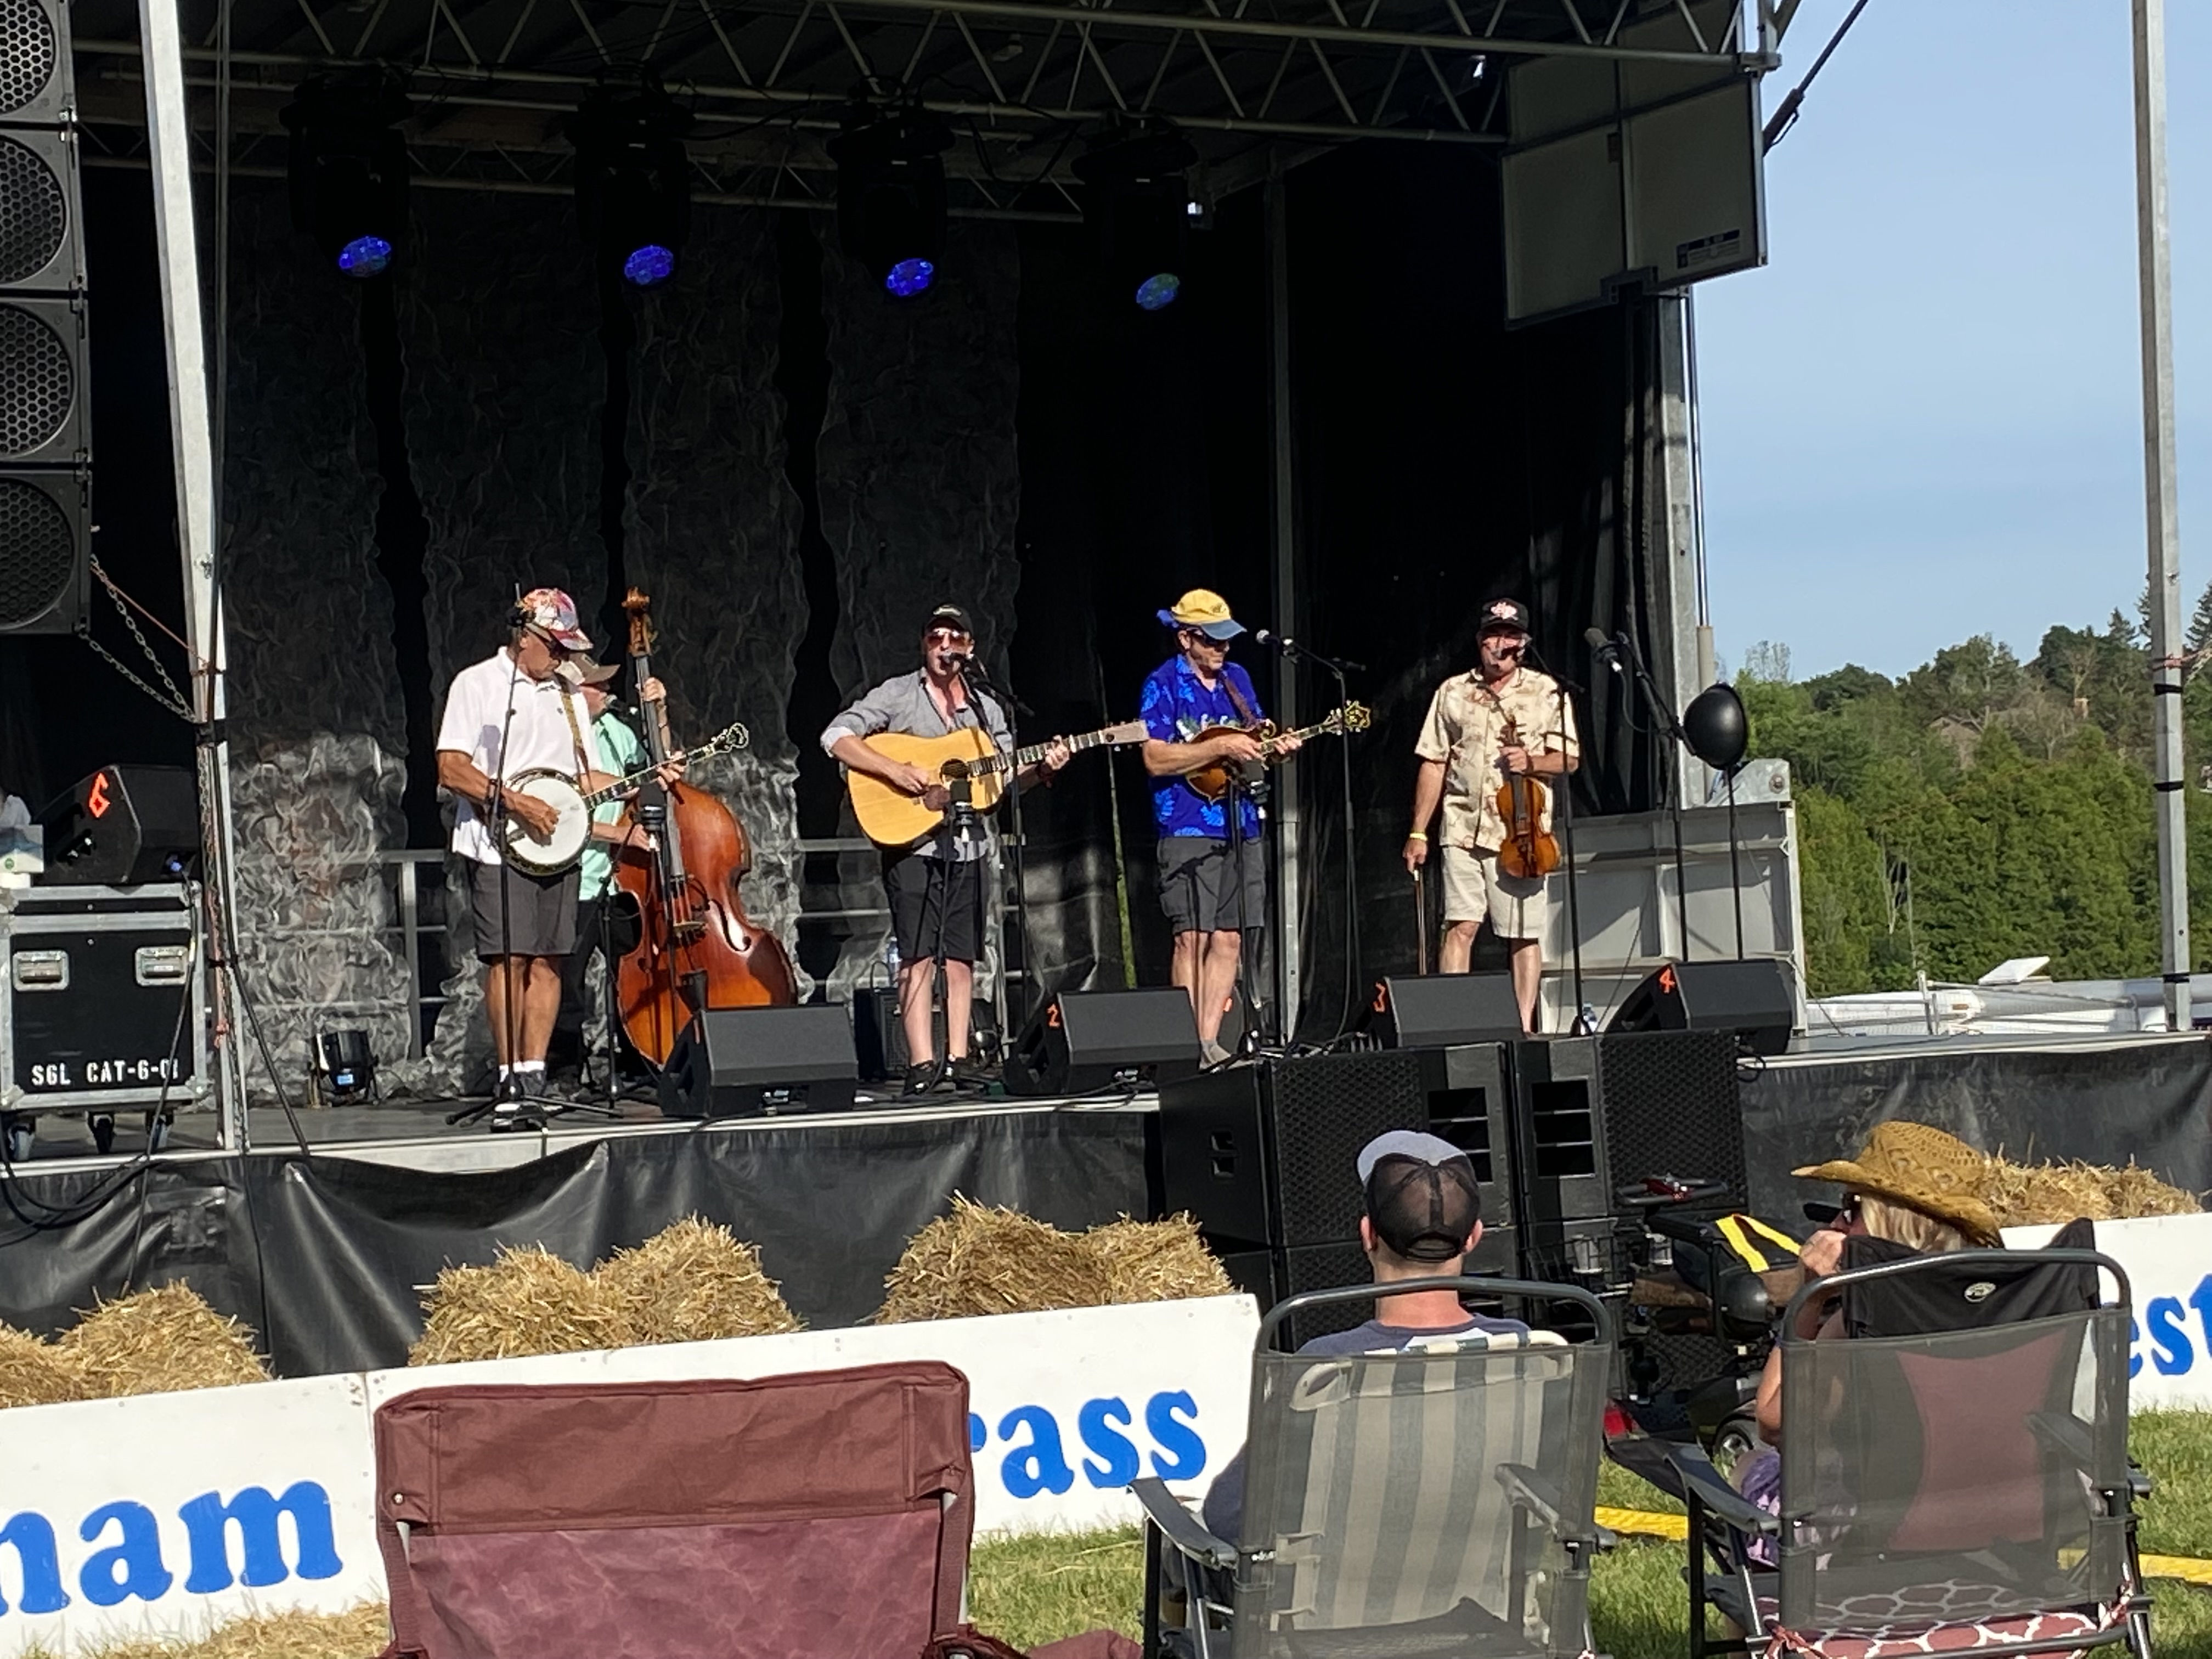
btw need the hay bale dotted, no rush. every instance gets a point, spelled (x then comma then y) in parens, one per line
(527, 1302)
(35, 1373)
(1156, 1260)
(159, 1341)
(694, 1282)
(357, 1633)
(2050, 1194)
(989, 1261)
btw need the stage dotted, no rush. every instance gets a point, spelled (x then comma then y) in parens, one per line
(325, 1254)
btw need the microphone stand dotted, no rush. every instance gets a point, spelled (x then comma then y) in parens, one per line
(1563, 816)
(980, 685)
(1337, 667)
(508, 1088)
(1663, 717)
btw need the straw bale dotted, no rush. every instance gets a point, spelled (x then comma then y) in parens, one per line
(158, 1341)
(989, 1261)
(359, 1632)
(694, 1282)
(527, 1302)
(35, 1373)
(1156, 1261)
(2033, 1195)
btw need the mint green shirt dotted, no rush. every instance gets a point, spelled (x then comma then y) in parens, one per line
(616, 751)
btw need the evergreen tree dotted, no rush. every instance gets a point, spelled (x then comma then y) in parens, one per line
(2200, 623)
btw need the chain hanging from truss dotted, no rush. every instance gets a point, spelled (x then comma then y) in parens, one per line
(170, 698)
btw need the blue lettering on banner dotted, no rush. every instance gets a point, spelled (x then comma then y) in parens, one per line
(1114, 1460)
(2168, 1336)
(129, 1563)
(1037, 1443)
(2134, 1336)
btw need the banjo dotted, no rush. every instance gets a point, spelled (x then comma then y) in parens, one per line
(558, 789)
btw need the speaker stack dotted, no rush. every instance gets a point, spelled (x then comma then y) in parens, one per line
(46, 422)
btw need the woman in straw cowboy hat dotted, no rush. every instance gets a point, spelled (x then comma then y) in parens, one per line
(1911, 1184)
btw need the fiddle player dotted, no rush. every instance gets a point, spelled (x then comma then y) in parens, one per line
(1212, 885)
(1464, 760)
(505, 715)
(934, 885)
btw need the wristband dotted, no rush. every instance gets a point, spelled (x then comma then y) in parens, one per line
(1417, 834)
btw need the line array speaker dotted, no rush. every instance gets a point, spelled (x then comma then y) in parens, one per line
(45, 424)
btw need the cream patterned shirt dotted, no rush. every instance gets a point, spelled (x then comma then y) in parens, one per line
(1464, 729)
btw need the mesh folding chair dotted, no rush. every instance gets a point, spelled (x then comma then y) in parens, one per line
(827, 1514)
(1942, 1490)
(1437, 1503)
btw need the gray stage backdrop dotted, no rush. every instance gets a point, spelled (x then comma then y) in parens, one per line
(498, 323)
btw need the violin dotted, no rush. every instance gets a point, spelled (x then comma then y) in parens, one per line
(1528, 849)
(697, 948)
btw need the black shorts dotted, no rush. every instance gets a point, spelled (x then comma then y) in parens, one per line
(1198, 890)
(538, 912)
(916, 887)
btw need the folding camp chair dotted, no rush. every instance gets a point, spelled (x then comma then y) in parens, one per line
(1438, 1501)
(826, 1515)
(1942, 1489)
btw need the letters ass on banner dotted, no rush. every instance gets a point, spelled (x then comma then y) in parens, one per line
(160, 1516)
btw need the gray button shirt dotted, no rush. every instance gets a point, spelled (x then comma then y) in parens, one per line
(903, 703)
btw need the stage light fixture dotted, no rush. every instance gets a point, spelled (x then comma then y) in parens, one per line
(633, 188)
(890, 194)
(348, 167)
(1139, 208)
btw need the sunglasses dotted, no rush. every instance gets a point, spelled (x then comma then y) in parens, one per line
(1197, 638)
(948, 636)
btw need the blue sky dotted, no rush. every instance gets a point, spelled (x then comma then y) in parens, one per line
(1923, 418)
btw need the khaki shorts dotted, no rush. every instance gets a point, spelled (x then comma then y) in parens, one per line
(1515, 907)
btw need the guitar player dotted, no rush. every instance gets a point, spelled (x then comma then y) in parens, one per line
(935, 884)
(1212, 882)
(1464, 760)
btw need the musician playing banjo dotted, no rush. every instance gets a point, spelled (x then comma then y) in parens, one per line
(1213, 886)
(1465, 755)
(508, 715)
(935, 884)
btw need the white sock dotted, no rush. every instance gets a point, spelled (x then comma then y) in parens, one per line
(529, 1065)
(505, 1072)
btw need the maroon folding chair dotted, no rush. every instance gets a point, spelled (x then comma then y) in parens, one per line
(826, 1515)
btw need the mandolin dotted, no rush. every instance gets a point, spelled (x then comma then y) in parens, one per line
(891, 818)
(1213, 782)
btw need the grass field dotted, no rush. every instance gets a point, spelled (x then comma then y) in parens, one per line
(1029, 1590)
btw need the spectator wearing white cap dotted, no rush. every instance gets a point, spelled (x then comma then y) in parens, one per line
(508, 715)
(1424, 1215)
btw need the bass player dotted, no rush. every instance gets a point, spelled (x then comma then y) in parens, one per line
(1464, 759)
(1212, 878)
(505, 715)
(935, 884)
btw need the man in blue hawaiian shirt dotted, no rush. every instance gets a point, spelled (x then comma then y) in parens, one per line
(1212, 880)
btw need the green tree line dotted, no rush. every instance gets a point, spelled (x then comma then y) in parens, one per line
(1982, 807)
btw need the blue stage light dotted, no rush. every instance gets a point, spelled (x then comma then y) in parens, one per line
(365, 257)
(909, 277)
(650, 266)
(1158, 293)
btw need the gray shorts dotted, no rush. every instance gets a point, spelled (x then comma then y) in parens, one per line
(540, 912)
(1199, 887)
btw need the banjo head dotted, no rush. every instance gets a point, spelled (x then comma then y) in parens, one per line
(565, 846)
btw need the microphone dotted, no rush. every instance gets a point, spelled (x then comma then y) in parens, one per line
(1269, 636)
(1603, 648)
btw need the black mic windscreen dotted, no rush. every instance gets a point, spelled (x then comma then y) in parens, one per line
(1597, 639)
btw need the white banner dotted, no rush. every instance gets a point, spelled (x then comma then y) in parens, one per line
(164, 1515)
(2168, 1263)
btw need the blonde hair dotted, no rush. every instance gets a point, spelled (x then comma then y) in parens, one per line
(1885, 1218)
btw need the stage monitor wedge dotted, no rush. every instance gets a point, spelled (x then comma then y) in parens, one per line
(1751, 998)
(755, 1063)
(123, 826)
(1083, 1043)
(1434, 1011)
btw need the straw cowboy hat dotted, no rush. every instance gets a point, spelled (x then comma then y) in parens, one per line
(1917, 1165)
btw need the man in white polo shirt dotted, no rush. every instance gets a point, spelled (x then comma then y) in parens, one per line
(504, 716)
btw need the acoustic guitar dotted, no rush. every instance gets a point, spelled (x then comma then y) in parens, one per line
(1212, 783)
(891, 818)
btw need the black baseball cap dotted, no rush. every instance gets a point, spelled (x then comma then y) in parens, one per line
(950, 615)
(1422, 1195)
(1505, 613)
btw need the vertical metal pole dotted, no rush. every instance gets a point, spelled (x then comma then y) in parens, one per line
(410, 940)
(2161, 514)
(192, 437)
(1288, 826)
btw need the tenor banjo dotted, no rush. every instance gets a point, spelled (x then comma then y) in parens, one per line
(557, 852)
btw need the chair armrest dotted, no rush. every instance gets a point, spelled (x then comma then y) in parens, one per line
(1179, 1526)
(2065, 1434)
(1531, 1492)
(1709, 1488)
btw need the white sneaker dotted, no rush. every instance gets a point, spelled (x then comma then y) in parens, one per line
(1211, 1052)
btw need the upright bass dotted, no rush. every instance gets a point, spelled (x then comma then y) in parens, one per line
(697, 948)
